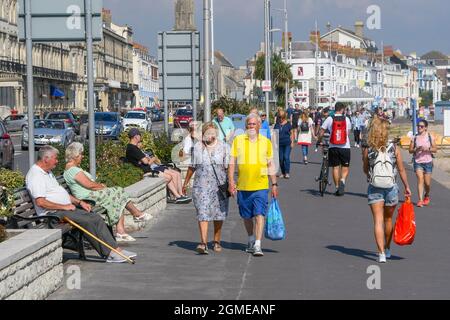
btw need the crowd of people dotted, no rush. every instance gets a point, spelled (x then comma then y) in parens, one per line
(214, 154)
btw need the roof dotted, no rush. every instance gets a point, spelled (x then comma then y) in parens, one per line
(369, 43)
(439, 57)
(233, 82)
(222, 59)
(302, 46)
(355, 94)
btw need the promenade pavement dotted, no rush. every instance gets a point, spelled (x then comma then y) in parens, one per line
(326, 255)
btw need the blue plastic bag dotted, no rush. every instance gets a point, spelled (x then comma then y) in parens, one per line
(275, 229)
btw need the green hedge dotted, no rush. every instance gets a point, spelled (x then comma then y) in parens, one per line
(9, 182)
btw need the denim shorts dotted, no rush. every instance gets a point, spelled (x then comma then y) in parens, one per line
(252, 203)
(427, 168)
(388, 196)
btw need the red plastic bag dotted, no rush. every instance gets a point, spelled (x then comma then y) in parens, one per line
(405, 225)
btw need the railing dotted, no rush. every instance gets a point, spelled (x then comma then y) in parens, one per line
(15, 67)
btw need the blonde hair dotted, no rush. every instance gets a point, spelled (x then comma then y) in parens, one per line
(282, 115)
(378, 134)
(207, 126)
(305, 115)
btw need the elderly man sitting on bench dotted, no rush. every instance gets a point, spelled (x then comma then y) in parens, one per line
(150, 163)
(49, 197)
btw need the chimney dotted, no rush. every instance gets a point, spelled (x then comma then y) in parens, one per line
(359, 29)
(107, 17)
(313, 37)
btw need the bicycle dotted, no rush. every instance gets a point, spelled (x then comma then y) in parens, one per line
(324, 169)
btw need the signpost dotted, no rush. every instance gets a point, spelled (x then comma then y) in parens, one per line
(267, 86)
(61, 21)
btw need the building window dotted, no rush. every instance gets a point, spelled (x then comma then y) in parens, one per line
(322, 71)
(332, 71)
(322, 86)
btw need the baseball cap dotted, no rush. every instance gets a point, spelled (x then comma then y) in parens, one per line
(133, 132)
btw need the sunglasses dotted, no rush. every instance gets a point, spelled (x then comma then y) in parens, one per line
(421, 126)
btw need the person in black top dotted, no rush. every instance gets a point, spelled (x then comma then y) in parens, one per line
(149, 163)
(294, 120)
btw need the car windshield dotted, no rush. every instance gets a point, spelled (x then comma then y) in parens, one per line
(40, 124)
(107, 117)
(184, 112)
(135, 115)
(61, 116)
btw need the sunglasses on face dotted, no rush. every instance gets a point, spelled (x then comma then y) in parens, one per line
(420, 126)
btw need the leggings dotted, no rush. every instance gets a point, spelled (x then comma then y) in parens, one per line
(357, 134)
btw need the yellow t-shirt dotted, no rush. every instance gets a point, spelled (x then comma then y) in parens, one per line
(252, 159)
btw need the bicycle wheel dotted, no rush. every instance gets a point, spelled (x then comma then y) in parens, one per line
(324, 177)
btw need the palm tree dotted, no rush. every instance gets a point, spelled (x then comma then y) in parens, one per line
(281, 74)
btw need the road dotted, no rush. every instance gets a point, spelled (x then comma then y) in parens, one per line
(327, 254)
(21, 157)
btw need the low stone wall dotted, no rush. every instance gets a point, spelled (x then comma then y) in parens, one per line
(149, 196)
(31, 264)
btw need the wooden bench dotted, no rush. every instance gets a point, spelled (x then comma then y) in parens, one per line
(25, 218)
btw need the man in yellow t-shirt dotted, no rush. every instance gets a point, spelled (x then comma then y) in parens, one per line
(254, 156)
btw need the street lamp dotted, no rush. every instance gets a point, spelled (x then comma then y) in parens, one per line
(286, 40)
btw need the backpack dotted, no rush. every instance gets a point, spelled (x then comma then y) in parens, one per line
(304, 126)
(339, 130)
(382, 171)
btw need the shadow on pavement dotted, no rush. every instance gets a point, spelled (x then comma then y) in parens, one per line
(188, 245)
(316, 193)
(361, 195)
(90, 257)
(309, 162)
(359, 253)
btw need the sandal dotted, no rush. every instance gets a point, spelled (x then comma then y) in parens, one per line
(217, 247)
(202, 248)
(124, 238)
(142, 218)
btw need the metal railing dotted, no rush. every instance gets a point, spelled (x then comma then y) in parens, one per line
(19, 68)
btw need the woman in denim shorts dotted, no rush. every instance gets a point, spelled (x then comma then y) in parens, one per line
(383, 201)
(422, 147)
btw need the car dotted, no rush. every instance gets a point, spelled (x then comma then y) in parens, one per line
(6, 148)
(67, 116)
(49, 132)
(137, 119)
(15, 122)
(182, 117)
(156, 115)
(108, 124)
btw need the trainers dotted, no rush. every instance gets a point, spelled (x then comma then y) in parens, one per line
(257, 251)
(115, 258)
(426, 201)
(129, 254)
(250, 247)
(382, 258)
(286, 176)
(341, 189)
(182, 200)
(420, 204)
(202, 248)
(387, 252)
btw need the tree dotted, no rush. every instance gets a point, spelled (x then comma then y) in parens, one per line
(281, 73)
(427, 97)
(231, 106)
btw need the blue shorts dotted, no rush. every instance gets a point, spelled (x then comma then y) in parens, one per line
(253, 203)
(427, 168)
(388, 196)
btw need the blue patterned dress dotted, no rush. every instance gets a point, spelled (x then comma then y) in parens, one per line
(205, 188)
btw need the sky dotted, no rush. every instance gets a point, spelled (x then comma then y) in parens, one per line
(408, 25)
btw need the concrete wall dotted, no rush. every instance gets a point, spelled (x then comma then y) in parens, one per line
(31, 264)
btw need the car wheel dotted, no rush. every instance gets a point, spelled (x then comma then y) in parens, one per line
(23, 148)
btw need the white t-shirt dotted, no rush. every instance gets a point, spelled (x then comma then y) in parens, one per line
(41, 184)
(328, 125)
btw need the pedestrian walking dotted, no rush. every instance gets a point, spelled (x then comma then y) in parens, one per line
(382, 161)
(253, 155)
(339, 154)
(211, 156)
(265, 127)
(286, 143)
(422, 147)
(296, 113)
(225, 125)
(356, 124)
(306, 134)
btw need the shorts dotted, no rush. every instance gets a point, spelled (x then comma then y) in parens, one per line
(388, 196)
(339, 157)
(253, 203)
(427, 168)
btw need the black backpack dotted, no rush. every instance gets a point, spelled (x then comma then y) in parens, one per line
(304, 126)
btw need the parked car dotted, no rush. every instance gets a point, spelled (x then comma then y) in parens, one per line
(108, 124)
(156, 115)
(137, 119)
(15, 122)
(6, 148)
(182, 117)
(48, 132)
(68, 117)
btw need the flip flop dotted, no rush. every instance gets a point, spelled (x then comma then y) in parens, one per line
(124, 238)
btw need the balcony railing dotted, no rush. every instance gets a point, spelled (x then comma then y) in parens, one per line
(15, 67)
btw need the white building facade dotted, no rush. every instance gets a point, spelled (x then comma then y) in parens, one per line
(145, 76)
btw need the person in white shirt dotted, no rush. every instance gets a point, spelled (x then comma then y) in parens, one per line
(49, 197)
(339, 154)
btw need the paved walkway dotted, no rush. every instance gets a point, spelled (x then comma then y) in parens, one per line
(328, 249)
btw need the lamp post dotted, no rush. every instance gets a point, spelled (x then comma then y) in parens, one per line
(207, 60)
(286, 48)
(266, 52)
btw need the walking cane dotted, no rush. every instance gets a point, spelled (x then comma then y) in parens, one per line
(65, 219)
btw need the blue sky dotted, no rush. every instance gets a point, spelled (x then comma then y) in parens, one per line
(409, 25)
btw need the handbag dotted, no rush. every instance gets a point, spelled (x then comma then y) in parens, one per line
(223, 192)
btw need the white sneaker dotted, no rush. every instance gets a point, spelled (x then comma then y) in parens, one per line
(387, 252)
(382, 258)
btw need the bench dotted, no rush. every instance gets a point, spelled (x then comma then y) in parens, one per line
(25, 218)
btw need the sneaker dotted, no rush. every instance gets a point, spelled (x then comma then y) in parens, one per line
(129, 254)
(341, 189)
(382, 258)
(202, 248)
(387, 252)
(420, 204)
(186, 197)
(286, 176)
(257, 251)
(250, 247)
(182, 200)
(426, 201)
(115, 258)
